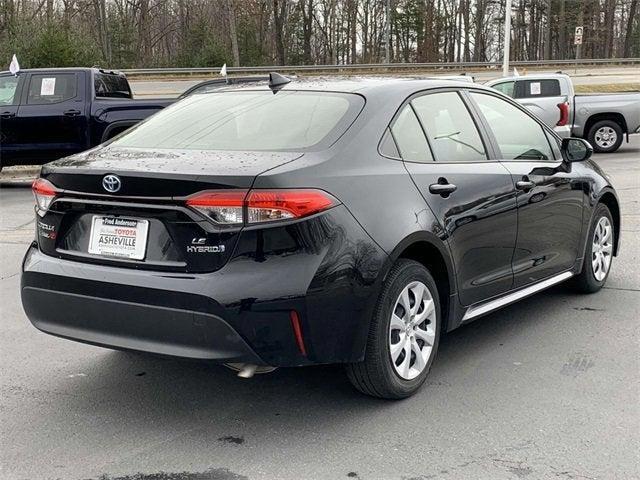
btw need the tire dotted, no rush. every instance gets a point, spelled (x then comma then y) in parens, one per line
(378, 374)
(590, 280)
(605, 136)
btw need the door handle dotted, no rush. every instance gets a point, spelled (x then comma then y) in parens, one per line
(71, 113)
(442, 188)
(525, 185)
(7, 114)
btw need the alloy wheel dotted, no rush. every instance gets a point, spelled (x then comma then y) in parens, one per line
(602, 249)
(605, 137)
(412, 330)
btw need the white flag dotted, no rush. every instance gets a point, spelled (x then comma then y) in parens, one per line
(14, 67)
(515, 72)
(223, 70)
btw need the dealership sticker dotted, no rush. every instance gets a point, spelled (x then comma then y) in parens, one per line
(48, 86)
(534, 88)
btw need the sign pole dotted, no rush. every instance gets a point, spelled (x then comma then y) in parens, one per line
(577, 41)
(507, 38)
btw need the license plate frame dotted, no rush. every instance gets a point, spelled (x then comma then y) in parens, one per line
(121, 238)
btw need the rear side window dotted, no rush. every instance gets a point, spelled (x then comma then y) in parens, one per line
(248, 120)
(519, 136)
(410, 138)
(53, 88)
(8, 88)
(388, 146)
(451, 131)
(537, 88)
(111, 86)
(508, 88)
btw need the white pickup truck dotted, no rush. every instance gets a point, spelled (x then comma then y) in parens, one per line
(602, 119)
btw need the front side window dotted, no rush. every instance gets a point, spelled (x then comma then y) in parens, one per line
(247, 120)
(8, 88)
(54, 88)
(410, 138)
(518, 135)
(556, 145)
(450, 128)
(506, 87)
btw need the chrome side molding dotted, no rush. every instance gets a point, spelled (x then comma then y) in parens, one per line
(485, 307)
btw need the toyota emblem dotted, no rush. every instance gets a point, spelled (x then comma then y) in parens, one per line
(111, 183)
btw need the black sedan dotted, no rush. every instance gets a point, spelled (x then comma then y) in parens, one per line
(301, 223)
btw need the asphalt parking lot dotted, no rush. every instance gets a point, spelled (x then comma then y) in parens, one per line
(547, 388)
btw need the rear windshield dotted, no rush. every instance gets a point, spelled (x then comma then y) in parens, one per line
(111, 86)
(248, 120)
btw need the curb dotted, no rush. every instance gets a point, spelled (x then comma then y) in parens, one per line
(20, 176)
(16, 183)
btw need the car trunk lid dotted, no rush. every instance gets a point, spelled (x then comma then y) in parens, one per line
(86, 222)
(161, 173)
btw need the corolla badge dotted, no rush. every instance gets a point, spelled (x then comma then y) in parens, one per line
(111, 183)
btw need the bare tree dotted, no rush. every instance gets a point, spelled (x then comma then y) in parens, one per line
(233, 33)
(279, 12)
(140, 33)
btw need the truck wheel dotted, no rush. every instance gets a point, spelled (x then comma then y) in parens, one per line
(403, 337)
(605, 136)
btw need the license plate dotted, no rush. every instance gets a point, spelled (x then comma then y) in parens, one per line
(118, 237)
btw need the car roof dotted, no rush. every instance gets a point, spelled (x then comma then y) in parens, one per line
(531, 76)
(107, 71)
(367, 86)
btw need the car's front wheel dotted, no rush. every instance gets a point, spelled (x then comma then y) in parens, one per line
(599, 252)
(403, 337)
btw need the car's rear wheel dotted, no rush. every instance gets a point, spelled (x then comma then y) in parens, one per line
(599, 252)
(404, 334)
(605, 136)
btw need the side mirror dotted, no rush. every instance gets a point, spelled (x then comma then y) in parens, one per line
(576, 150)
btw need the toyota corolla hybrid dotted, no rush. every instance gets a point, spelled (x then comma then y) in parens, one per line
(301, 223)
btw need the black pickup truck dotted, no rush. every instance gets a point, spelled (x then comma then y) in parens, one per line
(47, 114)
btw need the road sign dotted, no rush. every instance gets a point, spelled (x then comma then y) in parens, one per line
(578, 36)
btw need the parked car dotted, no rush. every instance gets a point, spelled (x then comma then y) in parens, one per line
(50, 113)
(307, 223)
(602, 119)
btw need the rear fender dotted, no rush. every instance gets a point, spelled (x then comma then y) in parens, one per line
(450, 306)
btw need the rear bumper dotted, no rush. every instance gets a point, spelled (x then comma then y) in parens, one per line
(72, 300)
(135, 326)
(238, 314)
(563, 132)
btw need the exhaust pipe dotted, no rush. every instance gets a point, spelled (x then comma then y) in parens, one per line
(248, 370)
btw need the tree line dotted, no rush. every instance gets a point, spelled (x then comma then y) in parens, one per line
(194, 33)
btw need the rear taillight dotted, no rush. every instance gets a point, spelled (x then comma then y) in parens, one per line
(44, 192)
(269, 205)
(564, 114)
(224, 207)
(231, 207)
